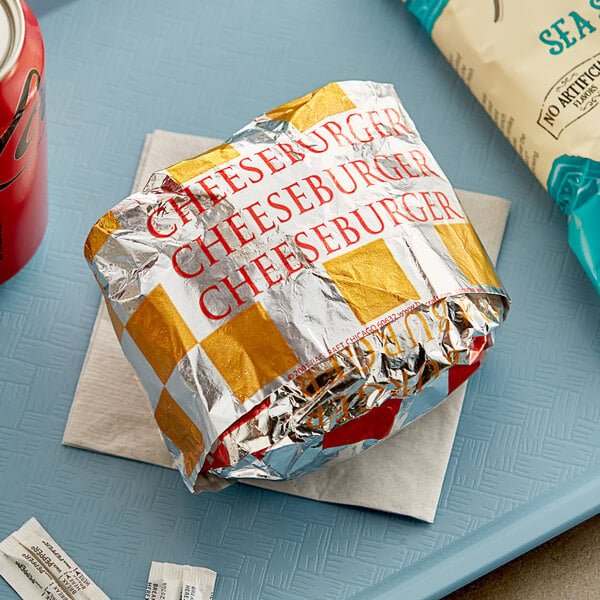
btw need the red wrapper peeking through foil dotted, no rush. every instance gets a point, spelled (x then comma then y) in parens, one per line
(299, 293)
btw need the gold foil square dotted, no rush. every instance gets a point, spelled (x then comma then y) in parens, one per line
(307, 111)
(465, 248)
(249, 351)
(191, 168)
(99, 234)
(180, 429)
(370, 280)
(160, 332)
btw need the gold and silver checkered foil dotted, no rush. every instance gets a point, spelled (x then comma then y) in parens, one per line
(300, 292)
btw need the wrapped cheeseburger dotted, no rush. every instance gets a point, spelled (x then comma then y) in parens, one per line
(300, 292)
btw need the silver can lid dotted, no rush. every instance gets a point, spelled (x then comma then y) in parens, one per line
(12, 34)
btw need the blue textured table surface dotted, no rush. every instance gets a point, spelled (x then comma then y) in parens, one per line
(526, 462)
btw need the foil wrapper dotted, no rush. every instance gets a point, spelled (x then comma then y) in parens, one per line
(300, 292)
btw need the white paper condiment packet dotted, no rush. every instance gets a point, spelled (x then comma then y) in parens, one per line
(168, 581)
(402, 475)
(36, 567)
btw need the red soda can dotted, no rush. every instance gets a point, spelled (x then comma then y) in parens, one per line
(23, 154)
